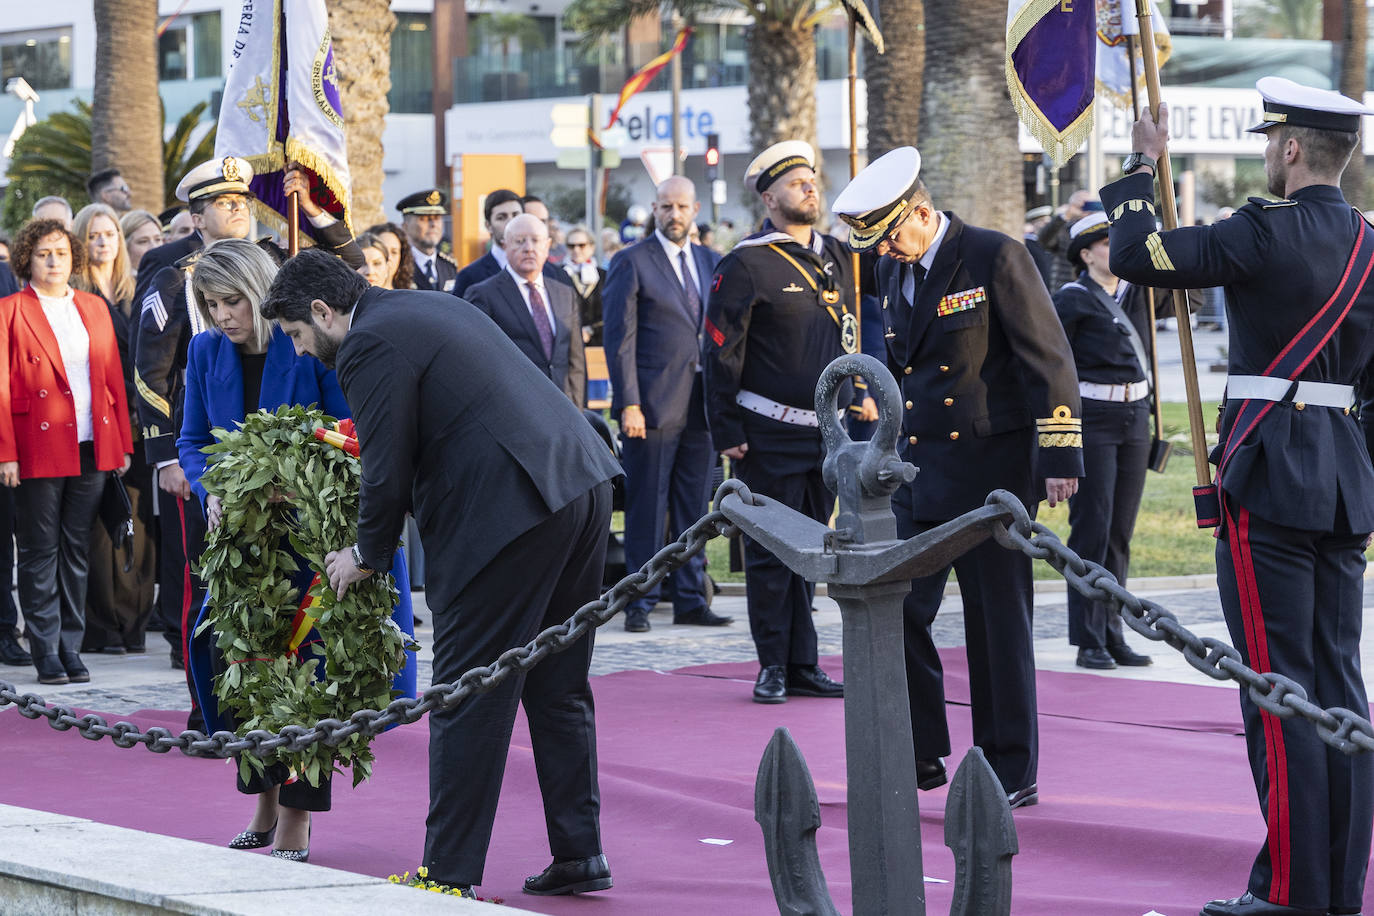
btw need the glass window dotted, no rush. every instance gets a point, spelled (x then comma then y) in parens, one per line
(171, 53)
(207, 51)
(412, 64)
(43, 58)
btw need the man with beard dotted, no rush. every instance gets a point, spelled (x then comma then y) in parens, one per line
(511, 489)
(653, 313)
(1294, 481)
(781, 308)
(991, 401)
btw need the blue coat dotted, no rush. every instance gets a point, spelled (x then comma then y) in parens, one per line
(214, 398)
(653, 341)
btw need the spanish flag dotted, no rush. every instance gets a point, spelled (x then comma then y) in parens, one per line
(645, 75)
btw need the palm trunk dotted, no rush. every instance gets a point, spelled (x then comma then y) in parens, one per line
(895, 78)
(126, 118)
(782, 86)
(362, 58)
(969, 153)
(1353, 44)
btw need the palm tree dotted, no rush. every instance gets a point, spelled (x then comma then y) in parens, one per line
(503, 29)
(362, 59)
(969, 152)
(1354, 39)
(895, 78)
(126, 127)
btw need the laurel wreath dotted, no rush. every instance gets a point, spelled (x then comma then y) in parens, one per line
(280, 486)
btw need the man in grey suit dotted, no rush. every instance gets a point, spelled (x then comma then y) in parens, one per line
(653, 306)
(540, 318)
(503, 476)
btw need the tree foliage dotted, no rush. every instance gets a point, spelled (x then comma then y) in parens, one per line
(54, 157)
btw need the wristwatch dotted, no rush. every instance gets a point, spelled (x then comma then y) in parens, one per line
(358, 562)
(1135, 161)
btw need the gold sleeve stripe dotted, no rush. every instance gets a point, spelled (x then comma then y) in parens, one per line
(151, 397)
(1068, 426)
(1158, 256)
(1061, 440)
(1135, 205)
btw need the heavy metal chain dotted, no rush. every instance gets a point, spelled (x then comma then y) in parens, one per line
(403, 710)
(1281, 696)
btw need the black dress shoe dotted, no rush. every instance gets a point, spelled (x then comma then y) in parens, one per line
(253, 839)
(1123, 654)
(1247, 904)
(930, 774)
(1024, 798)
(1095, 658)
(811, 681)
(703, 618)
(636, 623)
(50, 670)
(575, 877)
(295, 855)
(76, 671)
(771, 686)
(11, 653)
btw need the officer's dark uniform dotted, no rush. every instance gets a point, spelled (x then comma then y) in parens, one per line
(1297, 496)
(1116, 446)
(431, 203)
(771, 330)
(983, 364)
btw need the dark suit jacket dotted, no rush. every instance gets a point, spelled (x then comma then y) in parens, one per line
(500, 299)
(445, 270)
(162, 256)
(9, 283)
(458, 427)
(983, 370)
(653, 342)
(486, 267)
(214, 392)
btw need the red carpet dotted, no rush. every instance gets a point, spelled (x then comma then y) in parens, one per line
(1146, 800)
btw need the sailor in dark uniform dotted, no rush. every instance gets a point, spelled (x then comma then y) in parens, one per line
(991, 401)
(781, 308)
(1295, 485)
(1105, 319)
(423, 220)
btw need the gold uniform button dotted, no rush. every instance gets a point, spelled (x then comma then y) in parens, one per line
(949, 402)
(909, 405)
(954, 435)
(906, 371)
(944, 368)
(1300, 405)
(911, 439)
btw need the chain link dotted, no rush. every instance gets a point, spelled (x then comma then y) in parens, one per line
(1281, 696)
(403, 710)
(1342, 729)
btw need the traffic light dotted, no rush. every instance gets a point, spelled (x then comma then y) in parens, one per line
(712, 156)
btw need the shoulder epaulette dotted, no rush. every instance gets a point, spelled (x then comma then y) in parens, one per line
(189, 260)
(447, 257)
(1267, 204)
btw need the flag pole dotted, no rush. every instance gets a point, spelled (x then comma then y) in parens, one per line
(1149, 290)
(293, 229)
(854, 169)
(1169, 214)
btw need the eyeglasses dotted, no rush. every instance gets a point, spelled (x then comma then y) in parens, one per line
(229, 204)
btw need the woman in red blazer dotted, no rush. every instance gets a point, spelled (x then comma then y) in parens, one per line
(64, 423)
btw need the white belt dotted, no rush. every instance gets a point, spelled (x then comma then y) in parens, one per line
(1265, 388)
(776, 411)
(1122, 393)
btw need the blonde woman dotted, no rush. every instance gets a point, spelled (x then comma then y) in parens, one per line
(242, 364)
(142, 233)
(120, 587)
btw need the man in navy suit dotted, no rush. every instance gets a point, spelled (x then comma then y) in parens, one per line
(653, 306)
(539, 317)
(500, 207)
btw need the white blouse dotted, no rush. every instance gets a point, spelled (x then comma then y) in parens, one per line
(75, 346)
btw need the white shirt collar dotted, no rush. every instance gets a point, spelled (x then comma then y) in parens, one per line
(928, 258)
(422, 260)
(520, 281)
(499, 254)
(672, 250)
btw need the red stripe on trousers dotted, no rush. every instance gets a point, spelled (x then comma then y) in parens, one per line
(1276, 758)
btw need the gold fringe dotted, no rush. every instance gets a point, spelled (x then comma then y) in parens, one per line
(299, 152)
(1060, 146)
